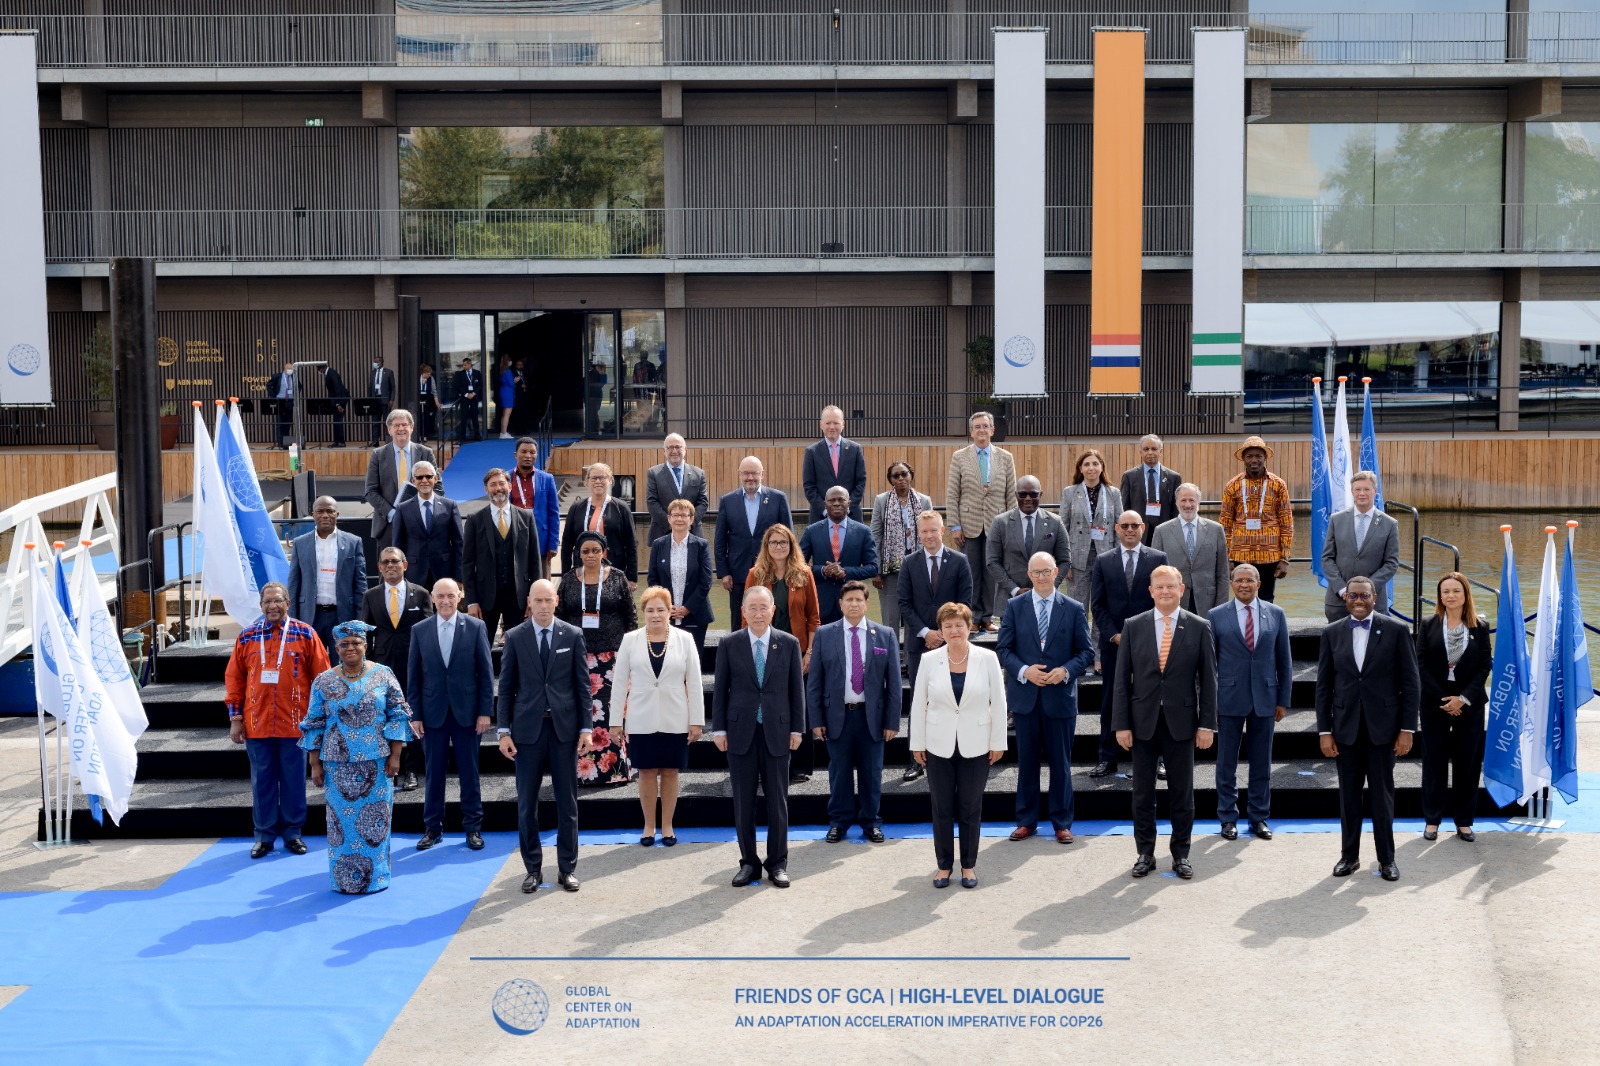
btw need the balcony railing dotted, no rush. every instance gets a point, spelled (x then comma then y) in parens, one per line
(648, 39)
(1333, 229)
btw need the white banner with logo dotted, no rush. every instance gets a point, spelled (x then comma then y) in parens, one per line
(1019, 212)
(1217, 332)
(24, 333)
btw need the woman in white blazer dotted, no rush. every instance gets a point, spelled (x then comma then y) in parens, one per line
(657, 700)
(958, 730)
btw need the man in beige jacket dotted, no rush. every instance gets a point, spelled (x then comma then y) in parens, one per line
(982, 484)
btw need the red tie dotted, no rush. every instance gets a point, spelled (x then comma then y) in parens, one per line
(1249, 629)
(834, 448)
(835, 537)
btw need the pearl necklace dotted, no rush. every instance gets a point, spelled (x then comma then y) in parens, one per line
(648, 641)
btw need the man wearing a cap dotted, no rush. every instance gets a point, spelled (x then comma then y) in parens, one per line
(1257, 518)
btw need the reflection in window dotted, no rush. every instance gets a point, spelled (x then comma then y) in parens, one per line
(644, 373)
(1560, 376)
(1377, 31)
(1562, 196)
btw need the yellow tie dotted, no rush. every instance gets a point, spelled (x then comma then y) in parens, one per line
(394, 606)
(502, 523)
(405, 472)
(1166, 642)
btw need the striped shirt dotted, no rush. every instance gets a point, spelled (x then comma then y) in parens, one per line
(274, 710)
(1268, 500)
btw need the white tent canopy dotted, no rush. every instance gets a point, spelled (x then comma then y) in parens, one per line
(1321, 325)
(1561, 321)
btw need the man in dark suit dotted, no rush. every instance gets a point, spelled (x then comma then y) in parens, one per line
(469, 402)
(930, 577)
(1255, 679)
(427, 527)
(389, 472)
(1362, 541)
(450, 686)
(1016, 534)
(1044, 647)
(380, 387)
(833, 460)
(1119, 585)
(853, 702)
(674, 479)
(1165, 707)
(392, 608)
(285, 388)
(758, 713)
(544, 725)
(1150, 489)
(327, 572)
(743, 518)
(839, 549)
(499, 557)
(1368, 697)
(339, 395)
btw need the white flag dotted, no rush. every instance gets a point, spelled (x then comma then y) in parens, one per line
(66, 684)
(101, 638)
(1339, 469)
(220, 552)
(1536, 722)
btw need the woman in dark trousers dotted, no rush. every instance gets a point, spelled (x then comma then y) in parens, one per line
(1455, 657)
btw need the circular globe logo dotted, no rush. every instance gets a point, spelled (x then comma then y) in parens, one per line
(241, 484)
(47, 649)
(24, 359)
(1019, 351)
(166, 351)
(520, 1007)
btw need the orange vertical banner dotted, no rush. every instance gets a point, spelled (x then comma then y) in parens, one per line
(1118, 236)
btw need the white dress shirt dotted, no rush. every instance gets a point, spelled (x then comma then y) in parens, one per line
(1161, 625)
(327, 567)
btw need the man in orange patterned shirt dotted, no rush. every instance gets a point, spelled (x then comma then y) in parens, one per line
(1256, 518)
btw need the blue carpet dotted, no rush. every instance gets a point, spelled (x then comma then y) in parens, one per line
(464, 475)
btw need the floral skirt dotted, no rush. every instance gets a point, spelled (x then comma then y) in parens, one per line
(608, 763)
(360, 798)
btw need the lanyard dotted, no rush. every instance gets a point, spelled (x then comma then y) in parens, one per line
(522, 494)
(1261, 502)
(583, 594)
(284, 643)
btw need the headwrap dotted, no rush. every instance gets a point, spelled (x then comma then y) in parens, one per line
(352, 628)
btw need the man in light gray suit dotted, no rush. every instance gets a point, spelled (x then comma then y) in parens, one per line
(389, 472)
(1254, 681)
(1362, 542)
(674, 479)
(1198, 547)
(1016, 535)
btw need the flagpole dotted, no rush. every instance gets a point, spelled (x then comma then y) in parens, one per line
(66, 809)
(46, 799)
(1539, 802)
(200, 622)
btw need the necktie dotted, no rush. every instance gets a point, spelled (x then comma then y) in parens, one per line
(394, 606)
(1250, 629)
(377, 382)
(760, 651)
(1365, 623)
(1130, 561)
(834, 536)
(405, 469)
(834, 448)
(504, 528)
(1044, 620)
(447, 637)
(1151, 493)
(544, 648)
(1188, 539)
(1361, 528)
(858, 667)
(1027, 536)
(1166, 642)
(933, 572)
(983, 465)
(427, 515)
(677, 476)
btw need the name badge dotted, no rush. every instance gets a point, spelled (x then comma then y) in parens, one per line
(1252, 523)
(1097, 533)
(1151, 509)
(591, 621)
(268, 677)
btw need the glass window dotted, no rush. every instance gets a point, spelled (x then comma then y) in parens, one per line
(1377, 31)
(644, 373)
(1560, 372)
(600, 375)
(1562, 187)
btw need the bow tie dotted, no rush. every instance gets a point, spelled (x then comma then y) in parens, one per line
(1365, 623)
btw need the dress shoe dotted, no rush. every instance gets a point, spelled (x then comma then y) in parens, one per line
(647, 841)
(1261, 831)
(1465, 833)
(969, 882)
(1144, 866)
(1182, 868)
(835, 834)
(567, 881)
(1063, 836)
(1022, 832)
(261, 848)
(429, 839)
(475, 840)
(408, 783)
(778, 878)
(1430, 832)
(747, 875)
(1161, 769)
(799, 779)
(992, 627)
(668, 841)
(942, 882)
(296, 846)
(1103, 769)
(1390, 871)
(1230, 831)
(1346, 867)
(912, 773)
(874, 834)
(530, 884)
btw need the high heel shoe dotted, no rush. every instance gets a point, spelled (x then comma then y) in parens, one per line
(1430, 832)
(1465, 833)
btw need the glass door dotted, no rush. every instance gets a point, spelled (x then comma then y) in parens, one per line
(601, 402)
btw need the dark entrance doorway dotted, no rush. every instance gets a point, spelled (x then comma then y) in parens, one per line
(550, 345)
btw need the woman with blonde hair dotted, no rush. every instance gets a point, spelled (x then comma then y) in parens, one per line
(658, 706)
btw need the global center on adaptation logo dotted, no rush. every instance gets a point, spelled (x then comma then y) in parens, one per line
(520, 1007)
(1019, 350)
(24, 359)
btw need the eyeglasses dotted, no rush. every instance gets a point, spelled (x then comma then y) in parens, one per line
(422, 477)
(1358, 595)
(1027, 495)
(900, 474)
(1130, 525)
(1041, 573)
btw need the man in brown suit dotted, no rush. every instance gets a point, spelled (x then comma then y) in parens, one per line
(982, 484)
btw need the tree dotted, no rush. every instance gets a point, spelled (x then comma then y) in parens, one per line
(443, 167)
(589, 167)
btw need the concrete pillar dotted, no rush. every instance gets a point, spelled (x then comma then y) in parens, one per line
(1520, 284)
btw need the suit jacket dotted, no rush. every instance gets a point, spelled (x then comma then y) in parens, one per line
(436, 549)
(385, 389)
(1252, 682)
(1135, 490)
(660, 489)
(828, 680)
(817, 476)
(275, 387)
(479, 536)
(1008, 562)
(390, 644)
(974, 725)
(622, 551)
(736, 547)
(735, 694)
(465, 688)
(697, 582)
(383, 489)
(1205, 577)
(349, 586)
(645, 702)
(857, 554)
(1114, 602)
(1076, 517)
(970, 503)
(466, 381)
(1067, 644)
(1382, 697)
(527, 689)
(1472, 671)
(1379, 557)
(919, 604)
(540, 500)
(1184, 695)
(335, 385)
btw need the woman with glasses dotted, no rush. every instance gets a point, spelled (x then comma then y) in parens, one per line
(602, 513)
(894, 530)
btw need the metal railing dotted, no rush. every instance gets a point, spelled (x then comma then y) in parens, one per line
(649, 38)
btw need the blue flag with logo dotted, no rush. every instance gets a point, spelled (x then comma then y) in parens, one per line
(1508, 692)
(1321, 487)
(1571, 686)
(1369, 460)
(258, 537)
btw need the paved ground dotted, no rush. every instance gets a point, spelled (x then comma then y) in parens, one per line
(1481, 953)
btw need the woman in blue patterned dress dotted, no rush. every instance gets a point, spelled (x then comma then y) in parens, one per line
(357, 724)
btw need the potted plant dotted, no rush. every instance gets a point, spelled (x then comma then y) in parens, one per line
(169, 425)
(980, 371)
(97, 366)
